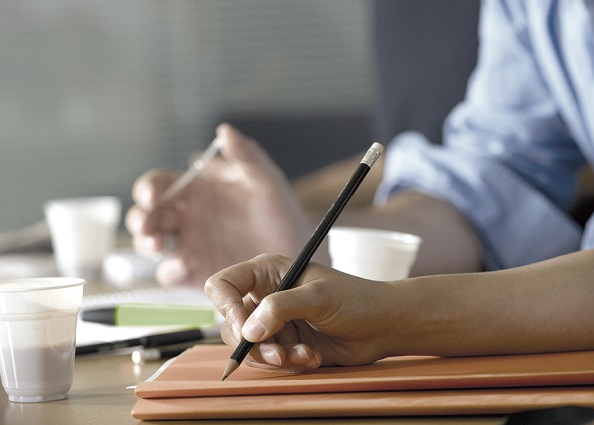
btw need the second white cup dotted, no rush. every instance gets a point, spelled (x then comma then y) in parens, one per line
(373, 254)
(83, 232)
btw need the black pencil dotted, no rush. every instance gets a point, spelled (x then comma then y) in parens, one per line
(313, 243)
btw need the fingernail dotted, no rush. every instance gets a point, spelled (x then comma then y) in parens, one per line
(272, 357)
(297, 355)
(302, 354)
(253, 330)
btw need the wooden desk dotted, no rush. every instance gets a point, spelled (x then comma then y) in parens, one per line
(99, 397)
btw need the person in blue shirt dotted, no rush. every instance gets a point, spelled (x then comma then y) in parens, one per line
(502, 269)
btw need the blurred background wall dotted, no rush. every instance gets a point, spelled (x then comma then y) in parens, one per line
(93, 93)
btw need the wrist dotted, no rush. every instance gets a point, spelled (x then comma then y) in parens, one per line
(419, 322)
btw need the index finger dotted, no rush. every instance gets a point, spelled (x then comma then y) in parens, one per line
(257, 278)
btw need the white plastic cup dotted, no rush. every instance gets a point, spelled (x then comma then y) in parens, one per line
(38, 319)
(373, 253)
(83, 232)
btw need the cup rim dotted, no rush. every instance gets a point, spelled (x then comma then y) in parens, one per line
(36, 284)
(82, 200)
(406, 238)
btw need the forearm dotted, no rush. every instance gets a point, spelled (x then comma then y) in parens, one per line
(449, 243)
(542, 307)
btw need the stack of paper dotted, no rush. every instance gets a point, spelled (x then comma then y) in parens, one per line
(190, 387)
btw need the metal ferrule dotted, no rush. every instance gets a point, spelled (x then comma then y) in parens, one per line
(372, 154)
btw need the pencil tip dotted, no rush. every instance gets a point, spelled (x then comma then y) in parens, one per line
(231, 366)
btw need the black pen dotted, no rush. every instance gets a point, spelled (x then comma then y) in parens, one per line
(149, 341)
(158, 353)
(313, 243)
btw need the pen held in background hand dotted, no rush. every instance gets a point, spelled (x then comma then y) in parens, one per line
(313, 243)
(185, 179)
(177, 186)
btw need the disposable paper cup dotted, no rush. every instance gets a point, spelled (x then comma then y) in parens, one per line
(373, 253)
(37, 337)
(83, 232)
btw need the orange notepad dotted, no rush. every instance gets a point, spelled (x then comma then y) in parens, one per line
(190, 387)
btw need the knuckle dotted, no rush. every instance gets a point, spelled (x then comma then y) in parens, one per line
(270, 308)
(318, 290)
(266, 258)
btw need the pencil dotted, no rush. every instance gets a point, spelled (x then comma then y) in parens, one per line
(313, 243)
(192, 171)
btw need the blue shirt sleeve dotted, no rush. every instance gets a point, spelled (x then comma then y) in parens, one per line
(508, 162)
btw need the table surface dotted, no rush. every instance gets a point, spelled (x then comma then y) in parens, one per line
(99, 396)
